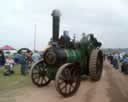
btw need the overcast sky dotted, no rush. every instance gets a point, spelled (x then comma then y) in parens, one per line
(107, 19)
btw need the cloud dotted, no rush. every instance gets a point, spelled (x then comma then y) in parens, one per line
(107, 19)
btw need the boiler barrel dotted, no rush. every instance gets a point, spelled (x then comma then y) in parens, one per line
(59, 56)
(73, 55)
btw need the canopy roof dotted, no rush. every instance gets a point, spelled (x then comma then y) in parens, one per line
(7, 47)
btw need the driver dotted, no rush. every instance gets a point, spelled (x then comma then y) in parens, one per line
(65, 39)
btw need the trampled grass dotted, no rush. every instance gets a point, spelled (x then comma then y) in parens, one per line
(12, 85)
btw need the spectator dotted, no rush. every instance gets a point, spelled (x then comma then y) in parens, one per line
(22, 59)
(29, 58)
(115, 62)
(2, 58)
(110, 58)
(9, 65)
(18, 58)
(36, 56)
(124, 64)
(24, 64)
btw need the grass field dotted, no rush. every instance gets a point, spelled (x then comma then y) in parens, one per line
(10, 86)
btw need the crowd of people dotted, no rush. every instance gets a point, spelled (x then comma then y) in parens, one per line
(119, 61)
(25, 59)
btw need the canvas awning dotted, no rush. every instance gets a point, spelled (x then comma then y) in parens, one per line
(7, 47)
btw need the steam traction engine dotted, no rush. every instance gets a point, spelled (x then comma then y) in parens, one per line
(65, 61)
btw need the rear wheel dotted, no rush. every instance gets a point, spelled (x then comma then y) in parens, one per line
(67, 79)
(39, 74)
(96, 65)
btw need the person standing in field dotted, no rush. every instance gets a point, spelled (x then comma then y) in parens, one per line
(115, 61)
(124, 66)
(36, 56)
(24, 64)
(9, 65)
(2, 58)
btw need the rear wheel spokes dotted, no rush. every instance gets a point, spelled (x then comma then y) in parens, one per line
(40, 80)
(67, 80)
(61, 84)
(67, 74)
(67, 88)
(45, 80)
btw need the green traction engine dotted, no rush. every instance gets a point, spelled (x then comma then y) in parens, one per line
(66, 61)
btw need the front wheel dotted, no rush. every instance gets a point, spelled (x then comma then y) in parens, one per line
(39, 74)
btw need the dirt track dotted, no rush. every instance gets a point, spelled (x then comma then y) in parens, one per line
(113, 87)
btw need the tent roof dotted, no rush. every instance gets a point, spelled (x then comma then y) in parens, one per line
(7, 47)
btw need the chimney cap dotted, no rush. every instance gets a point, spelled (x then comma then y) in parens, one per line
(56, 12)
